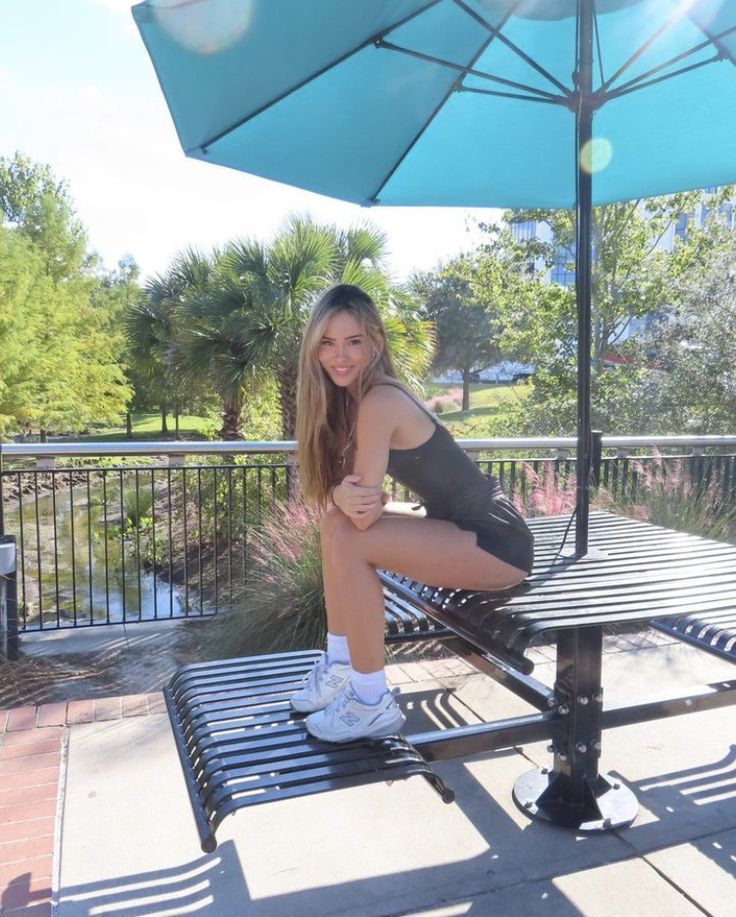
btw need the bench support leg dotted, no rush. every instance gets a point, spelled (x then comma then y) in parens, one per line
(573, 794)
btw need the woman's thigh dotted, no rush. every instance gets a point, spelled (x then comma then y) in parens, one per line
(432, 551)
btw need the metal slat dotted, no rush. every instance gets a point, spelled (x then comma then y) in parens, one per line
(634, 572)
(241, 744)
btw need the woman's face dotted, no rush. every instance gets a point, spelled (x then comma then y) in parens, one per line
(344, 350)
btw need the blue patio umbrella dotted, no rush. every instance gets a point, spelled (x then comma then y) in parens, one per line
(475, 103)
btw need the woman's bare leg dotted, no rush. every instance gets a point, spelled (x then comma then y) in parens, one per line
(331, 520)
(430, 550)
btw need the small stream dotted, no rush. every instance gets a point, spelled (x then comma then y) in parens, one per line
(75, 566)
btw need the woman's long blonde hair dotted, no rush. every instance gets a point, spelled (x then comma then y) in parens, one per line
(325, 414)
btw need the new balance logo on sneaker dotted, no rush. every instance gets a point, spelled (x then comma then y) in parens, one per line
(347, 719)
(321, 686)
(350, 719)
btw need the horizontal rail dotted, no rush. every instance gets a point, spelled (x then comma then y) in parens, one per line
(93, 450)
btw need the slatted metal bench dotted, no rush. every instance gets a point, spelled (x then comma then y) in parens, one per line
(713, 631)
(240, 744)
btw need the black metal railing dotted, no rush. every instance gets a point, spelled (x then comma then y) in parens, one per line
(128, 532)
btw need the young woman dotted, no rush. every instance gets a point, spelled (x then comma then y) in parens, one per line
(355, 423)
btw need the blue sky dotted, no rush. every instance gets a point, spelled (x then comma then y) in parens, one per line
(77, 91)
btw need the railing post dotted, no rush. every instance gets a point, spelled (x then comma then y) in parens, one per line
(8, 599)
(597, 458)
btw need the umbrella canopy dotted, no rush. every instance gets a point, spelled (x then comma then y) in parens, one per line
(450, 102)
(477, 103)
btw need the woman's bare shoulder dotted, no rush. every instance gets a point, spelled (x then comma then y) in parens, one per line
(383, 394)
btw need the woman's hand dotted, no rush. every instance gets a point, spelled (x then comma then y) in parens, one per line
(356, 500)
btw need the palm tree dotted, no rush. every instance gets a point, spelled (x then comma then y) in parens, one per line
(283, 279)
(215, 344)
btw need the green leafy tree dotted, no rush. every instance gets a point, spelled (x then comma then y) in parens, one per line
(465, 328)
(632, 280)
(61, 367)
(694, 389)
(40, 207)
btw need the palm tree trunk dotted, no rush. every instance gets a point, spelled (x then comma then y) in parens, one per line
(287, 402)
(128, 425)
(232, 419)
(164, 412)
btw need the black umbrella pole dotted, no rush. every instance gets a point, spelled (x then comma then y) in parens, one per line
(584, 268)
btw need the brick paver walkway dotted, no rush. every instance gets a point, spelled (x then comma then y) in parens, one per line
(31, 783)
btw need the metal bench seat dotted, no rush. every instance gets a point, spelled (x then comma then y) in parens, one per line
(633, 572)
(713, 631)
(240, 744)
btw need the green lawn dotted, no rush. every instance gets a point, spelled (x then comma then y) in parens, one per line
(147, 428)
(489, 405)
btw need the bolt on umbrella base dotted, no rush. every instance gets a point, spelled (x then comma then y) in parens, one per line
(606, 804)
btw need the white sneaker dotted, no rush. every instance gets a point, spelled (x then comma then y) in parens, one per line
(347, 719)
(321, 686)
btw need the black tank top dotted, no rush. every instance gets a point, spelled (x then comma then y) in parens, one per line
(448, 483)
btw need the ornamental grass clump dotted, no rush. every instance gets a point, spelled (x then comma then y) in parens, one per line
(451, 400)
(666, 494)
(282, 606)
(549, 493)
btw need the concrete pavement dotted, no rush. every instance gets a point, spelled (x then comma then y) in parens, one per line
(127, 844)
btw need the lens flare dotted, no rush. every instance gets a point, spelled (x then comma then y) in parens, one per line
(596, 155)
(204, 26)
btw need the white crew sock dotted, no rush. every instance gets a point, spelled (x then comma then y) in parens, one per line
(369, 687)
(337, 649)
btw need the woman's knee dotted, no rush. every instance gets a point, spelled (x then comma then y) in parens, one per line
(347, 544)
(330, 521)
(336, 532)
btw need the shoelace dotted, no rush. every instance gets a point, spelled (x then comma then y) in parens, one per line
(315, 675)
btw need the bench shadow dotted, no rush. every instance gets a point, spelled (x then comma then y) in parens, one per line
(189, 888)
(518, 872)
(701, 799)
(214, 885)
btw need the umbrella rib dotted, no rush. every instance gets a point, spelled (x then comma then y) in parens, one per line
(632, 84)
(672, 20)
(372, 199)
(496, 32)
(552, 100)
(636, 84)
(371, 40)
(715, 40)
(541, 93)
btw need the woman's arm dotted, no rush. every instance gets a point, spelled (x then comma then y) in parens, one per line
(377, 420)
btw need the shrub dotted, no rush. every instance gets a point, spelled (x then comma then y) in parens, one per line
(547, 494)
(665, 494)
(451, 400)
(282, 605)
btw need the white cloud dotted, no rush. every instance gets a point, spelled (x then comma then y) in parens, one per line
(120, 7)
(93, 97)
